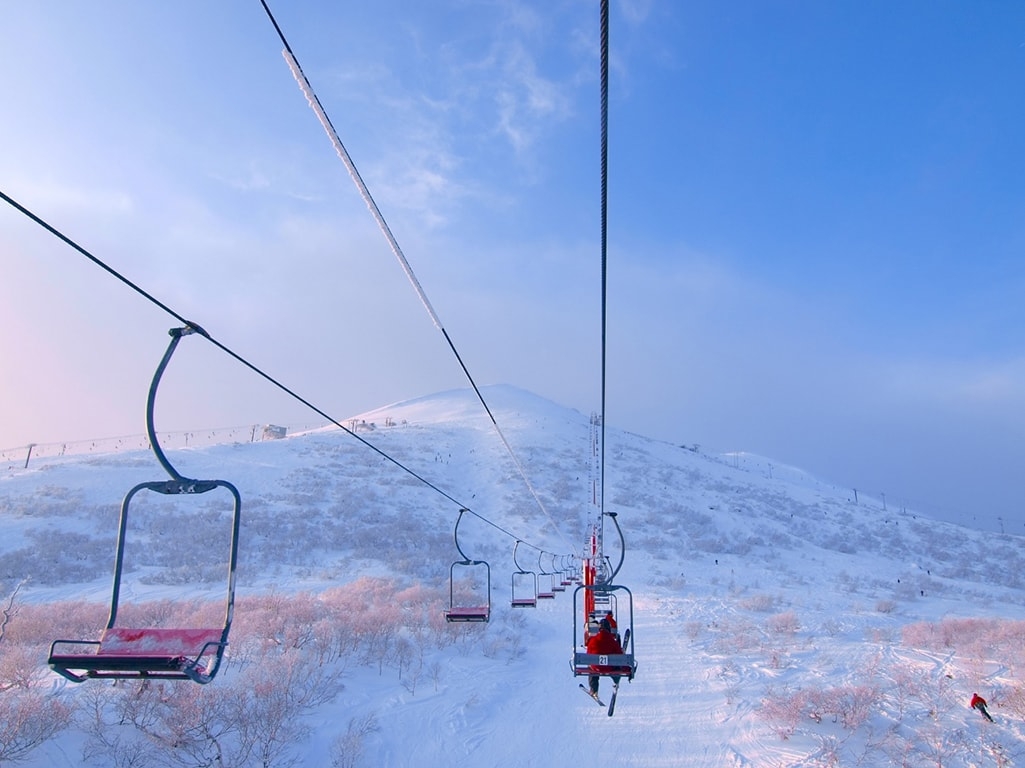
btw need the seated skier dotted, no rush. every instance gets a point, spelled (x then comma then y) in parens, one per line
(604, 643)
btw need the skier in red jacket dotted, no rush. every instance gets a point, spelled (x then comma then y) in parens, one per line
(979, 703)
(603, 644)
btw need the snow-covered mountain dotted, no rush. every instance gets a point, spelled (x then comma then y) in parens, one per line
(778, 619)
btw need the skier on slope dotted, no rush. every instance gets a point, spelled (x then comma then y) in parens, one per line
(604, 644)
(979, 703)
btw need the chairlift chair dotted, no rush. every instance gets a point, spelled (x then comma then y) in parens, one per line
(584, 663)
(545, 590)
(481, 610)
(557, 577)
(154, 652)
(566, 570)
(524, 585)
(591, 601)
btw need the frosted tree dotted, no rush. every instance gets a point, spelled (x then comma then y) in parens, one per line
(28, 718)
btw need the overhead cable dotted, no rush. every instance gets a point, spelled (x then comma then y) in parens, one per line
(364, 191)
(150, 297)
(604, 22)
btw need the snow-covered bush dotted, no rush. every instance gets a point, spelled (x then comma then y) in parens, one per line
(28, 717)
(785, 623)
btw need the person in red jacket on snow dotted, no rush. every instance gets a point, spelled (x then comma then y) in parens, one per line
(603, 644)
(979, 703)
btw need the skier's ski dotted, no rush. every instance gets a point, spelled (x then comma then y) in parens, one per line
(626, 641)
(594, 696)
(612, 701)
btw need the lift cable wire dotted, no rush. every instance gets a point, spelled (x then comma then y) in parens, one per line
(110, 270)
(343, 154)
(604, 242)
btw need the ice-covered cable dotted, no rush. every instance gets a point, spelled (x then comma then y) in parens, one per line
(343, 154)
(364, 192)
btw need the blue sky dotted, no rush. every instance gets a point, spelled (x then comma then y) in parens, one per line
(816, 221)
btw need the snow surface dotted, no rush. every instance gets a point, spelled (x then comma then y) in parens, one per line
(759, 592)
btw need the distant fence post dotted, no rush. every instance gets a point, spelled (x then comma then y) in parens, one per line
(29, 454)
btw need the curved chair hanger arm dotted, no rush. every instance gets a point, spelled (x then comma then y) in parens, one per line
(515, 561)
(622, 547)
(176, 335)
(455, 535)
(540, 566)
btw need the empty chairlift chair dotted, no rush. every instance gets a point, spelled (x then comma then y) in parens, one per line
(566, 570)
(558, 578)
(524, 585)
(155, 652)
(545, 588)
(478, 608)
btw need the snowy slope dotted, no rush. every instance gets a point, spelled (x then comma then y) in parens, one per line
(777, 622)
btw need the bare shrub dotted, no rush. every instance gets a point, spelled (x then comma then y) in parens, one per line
(20, 666)
(27, 720)
(347, 750)
(735, 636)
(40, 624)
(112, 744)
(255, 720)
(295, 649)
(10, 610)
(784, 710)
(763, 603)
(291, 686)
(284, 622)
(434, 670)
(886, 606)
(850, 705)
(731, 679)
(785, 623)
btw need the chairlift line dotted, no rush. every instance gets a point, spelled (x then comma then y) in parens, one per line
(364, 191)
(604, 25)
(598, 649)
(197, 329)
(193, 327)
(314, 102)
(190, 327)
